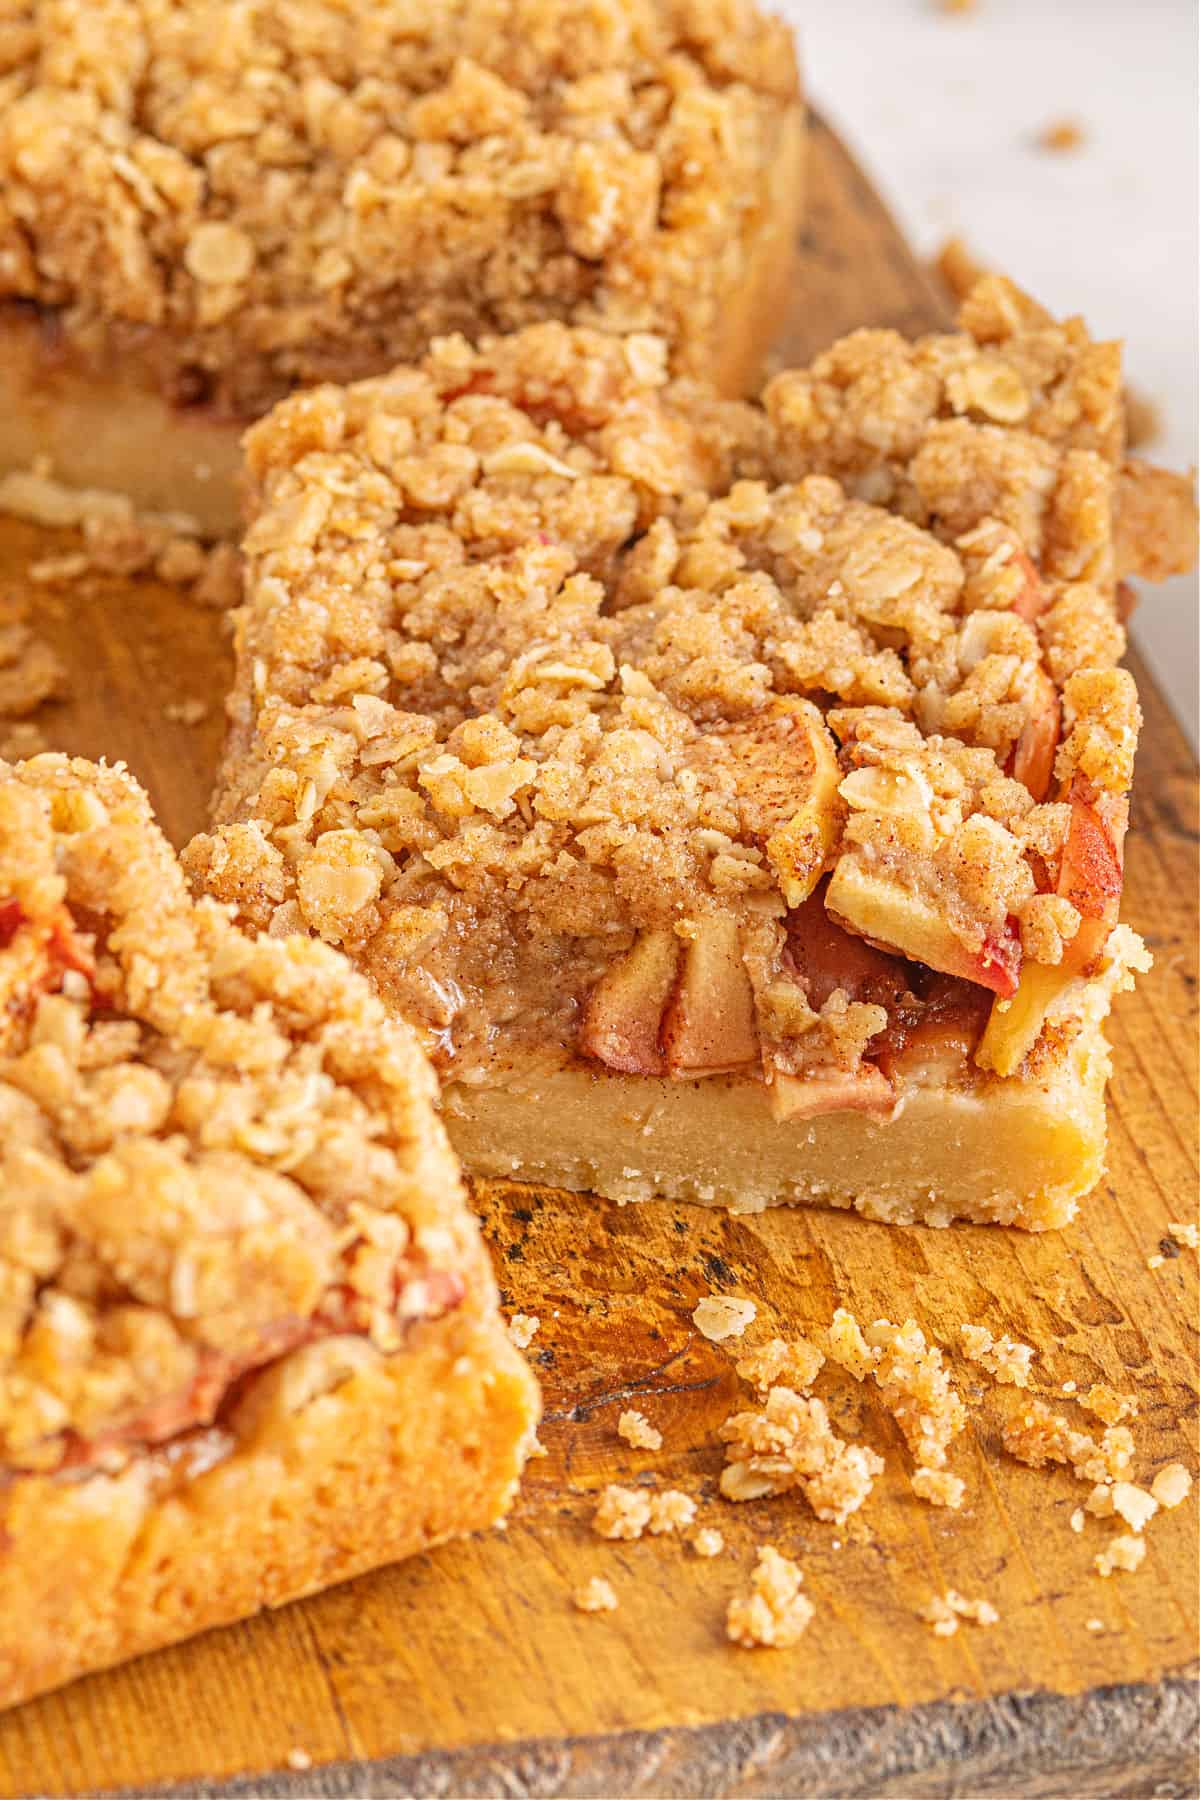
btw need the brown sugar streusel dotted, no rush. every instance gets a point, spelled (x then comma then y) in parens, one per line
(251, 198)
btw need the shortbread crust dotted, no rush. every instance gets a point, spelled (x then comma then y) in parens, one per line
(202, 208)
(710, 815)
(249, 1340)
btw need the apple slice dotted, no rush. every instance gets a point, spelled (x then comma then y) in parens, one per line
(866, 1089)
(624, 1011)
(709, 1027)
(826, 956)
(1033, 597)
(1014, 1026)
(799, 850)
(1091, 873)
(1033, 756)
(894, 918)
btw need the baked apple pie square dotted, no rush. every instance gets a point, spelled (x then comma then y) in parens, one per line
(735, 796)
(249, 1340)
(204, 206)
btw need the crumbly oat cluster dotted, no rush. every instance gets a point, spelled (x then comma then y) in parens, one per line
(563, 688)
(296, 190)
(773, 1613)
(212, 1150)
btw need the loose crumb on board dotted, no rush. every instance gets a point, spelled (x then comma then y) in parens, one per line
(1095, 1625)
(637, 1430)
(299, 1759)
(670, 1511)
(1077, 1520)
(789, 1443)
(1062, 136)
(781, 1364)
(774, 1613)
(1172, 1485)
(943, 1612)
(625, 1512)
(1004, 1358)
(708, 1541)
(1105, 1404)
(939, 1487)
(595, 1596)
(721, 1316)
(1127, 1553)
(1036, 1436)
(1133, 1504)
(522, 1328)
(185, 712)
(1188, 1235)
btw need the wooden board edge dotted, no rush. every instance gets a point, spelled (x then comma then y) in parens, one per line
(1131, 1740)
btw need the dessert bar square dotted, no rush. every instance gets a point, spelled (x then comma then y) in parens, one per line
(736, 796)
(249, 1339)
(203, 206)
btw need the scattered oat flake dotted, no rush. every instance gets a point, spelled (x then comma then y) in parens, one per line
(721, 1316)
(1004, 1357)
(622, 1512)
(943, 1612)
(774, 1613)
(1062, 135)
(708, 1542)
(522, 1328)
(595, 1596)
(1187, 1235)
(1172, 1485)
(637, 1430)
(1126, 1553)
(781, 1364)
(939, 1487)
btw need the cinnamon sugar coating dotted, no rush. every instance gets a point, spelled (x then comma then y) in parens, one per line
(214, 1150)
(258, 196)
(563, 686)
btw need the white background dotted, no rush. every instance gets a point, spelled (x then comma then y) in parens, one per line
(944, 110)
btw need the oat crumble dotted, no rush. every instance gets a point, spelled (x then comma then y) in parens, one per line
(774, 1613)
(707, 1542)
(1127, 1553)
(596, 1595)
(1004, 1358)
(723, 1316)
(794, 1363)
(522, 1328)
(637, 1430)
(789, 1443)
(943, 1612)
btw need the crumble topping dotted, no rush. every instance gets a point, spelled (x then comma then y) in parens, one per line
(596, 1595)
(795, 1364)
(1127, 1553)
(1004, 1358)
(637, 1430)
(626, 1513)
(938, 1487)
(1035, 1435)
(789, 1443)
(913, 1381)
(1108, 1406)
(774, 1613)
(1172, 1485)
(577, 704)
(943, 1612)
(522, 1328)
(708, 1542)
(290, 192)
(215, 1150)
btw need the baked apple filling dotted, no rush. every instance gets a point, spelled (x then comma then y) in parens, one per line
(733, 835)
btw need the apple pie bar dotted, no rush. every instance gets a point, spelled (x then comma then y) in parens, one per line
(249, 1342)
(204, 206)
(735, 796)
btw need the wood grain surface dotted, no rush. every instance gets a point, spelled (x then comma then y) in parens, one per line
(469, 1672)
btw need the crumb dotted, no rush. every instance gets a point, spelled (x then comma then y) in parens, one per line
(55, 571)
(299, 1759)
(185, 712)
(1172, 1485)
(622, 1512)
(1035, 1435)
(1100, 1501)
(1062, 135)
(1106, 1405)
(1002, 1357)
(637, 1430)
(778, 1364)
(708, 1542)
(789, 1443)
(848, 1347)
(1156, 1261)
(943, 1612)
(522, 1328)
(1094, 1625)
(1070, 1387)
(774, 1613)
(1126, 1553)
(939, 1487)
(537, 1449)
(1077, 1520)
(722, 1316)
(957, 268)
(670, 1511)
(1187, 1235)
(1133, 1504)
(595, 1596)
(916, 1389)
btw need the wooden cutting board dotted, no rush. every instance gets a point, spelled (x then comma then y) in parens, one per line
(469, 1672)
